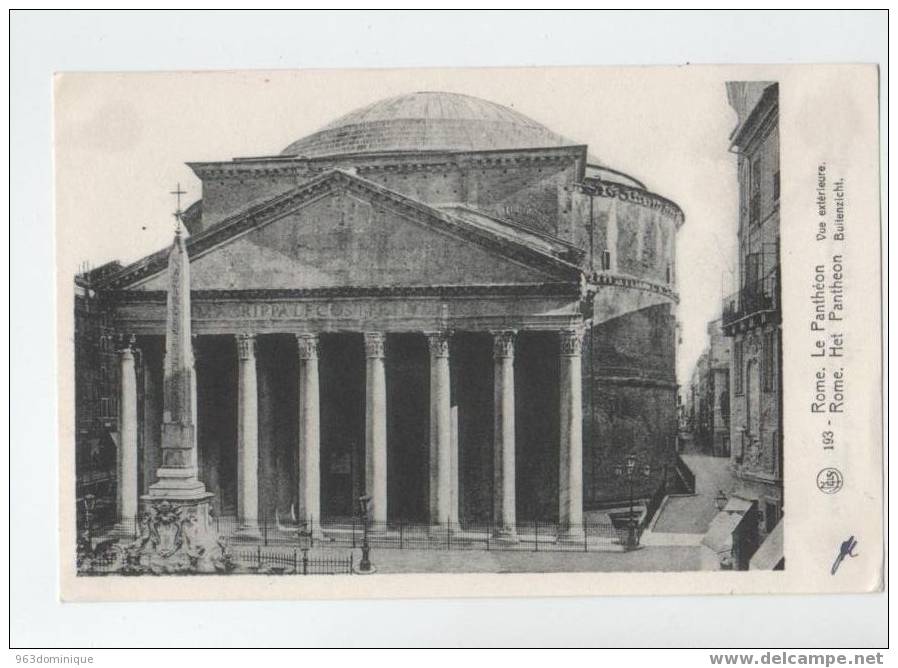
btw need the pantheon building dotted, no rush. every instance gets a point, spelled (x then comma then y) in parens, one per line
(434, 300)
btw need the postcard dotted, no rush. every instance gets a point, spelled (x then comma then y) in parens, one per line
(469, 332)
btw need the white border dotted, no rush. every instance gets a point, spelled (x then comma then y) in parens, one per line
(44, 43)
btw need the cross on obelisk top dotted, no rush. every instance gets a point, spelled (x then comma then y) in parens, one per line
(177, 192)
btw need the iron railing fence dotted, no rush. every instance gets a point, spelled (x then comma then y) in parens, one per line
(102, 563)
(754, 297)
(685, 474)
(256, 559)
(534, 536)
(654, 503)
(654, 373)
(295, 562)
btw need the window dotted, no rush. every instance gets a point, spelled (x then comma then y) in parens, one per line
(769, 369)
(737, 367)
(606, 260)
(669, 272)
(754, 201)
(752, 269)
(725, 405)
(776, 186)
(754, 210)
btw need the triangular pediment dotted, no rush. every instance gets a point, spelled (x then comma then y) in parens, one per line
(343, 231)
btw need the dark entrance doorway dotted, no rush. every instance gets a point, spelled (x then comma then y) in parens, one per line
(408, 427)
(216, 390)
(277, 366)
(471, 362)
(341, 369)
(536, 416)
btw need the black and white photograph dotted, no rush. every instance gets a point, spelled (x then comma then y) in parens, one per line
(357, 328)
(435, 334)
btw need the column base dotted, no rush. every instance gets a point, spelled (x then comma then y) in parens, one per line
(437, 530)
(506, 536)
(376, 528)
(248, 531)
(571, 536)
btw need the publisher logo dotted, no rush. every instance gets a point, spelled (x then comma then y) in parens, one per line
(829, 480)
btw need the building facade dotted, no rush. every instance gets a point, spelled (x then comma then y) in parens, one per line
(708, 396)
(96, 396)
(752, 316)
(434, 300)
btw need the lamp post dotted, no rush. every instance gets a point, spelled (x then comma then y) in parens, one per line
(720, 500)
(628, 472)
(365, 563)
(90, 502)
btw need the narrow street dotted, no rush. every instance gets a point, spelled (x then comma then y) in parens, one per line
(692, 514)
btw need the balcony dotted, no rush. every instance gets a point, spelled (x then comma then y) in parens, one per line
(758, 298)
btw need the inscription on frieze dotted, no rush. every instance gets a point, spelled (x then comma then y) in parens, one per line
(331, 310)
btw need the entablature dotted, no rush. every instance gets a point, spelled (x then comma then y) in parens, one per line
(470, 308)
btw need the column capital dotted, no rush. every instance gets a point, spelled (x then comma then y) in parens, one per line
(374, 344)
(246, 346)
(571, 341)
(503, 342)
(438, 343)
(308, 346)
(127, 345)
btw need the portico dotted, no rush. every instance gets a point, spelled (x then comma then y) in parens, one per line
(396, 436)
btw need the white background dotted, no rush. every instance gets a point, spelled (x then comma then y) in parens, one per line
(45, 43)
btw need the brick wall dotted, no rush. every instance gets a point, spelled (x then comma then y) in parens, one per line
(641, 240)
(629, 401)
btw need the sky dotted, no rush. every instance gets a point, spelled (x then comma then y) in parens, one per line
(122, 141)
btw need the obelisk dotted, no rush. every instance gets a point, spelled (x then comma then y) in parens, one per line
(177, 480)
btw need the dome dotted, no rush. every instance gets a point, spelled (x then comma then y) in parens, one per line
(427, 121)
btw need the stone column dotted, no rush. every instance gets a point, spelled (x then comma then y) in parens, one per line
(570, 470)
(127, 495)
(455, 505)
(200, 456)
(503, 434)
(440, 429)
(376, 428)
(309, 511)
(247, 435)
